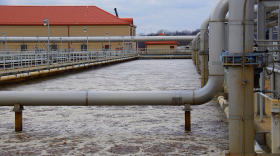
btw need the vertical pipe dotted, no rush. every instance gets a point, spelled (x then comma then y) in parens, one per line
(48, 45)
(38, 43)
(204, 52)
(204, 69)
(272, 85)
(261, 36)
(217, 37)
(61, 44)
(270, 59)
(261, 112)
(196, 50)
(5, 42)
(123, 44)
(278, 33)
(241, 107)
(87, 39)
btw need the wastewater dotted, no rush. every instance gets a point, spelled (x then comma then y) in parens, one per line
(116, 130)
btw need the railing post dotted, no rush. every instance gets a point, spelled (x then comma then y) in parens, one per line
(261, 111)
(18, 116)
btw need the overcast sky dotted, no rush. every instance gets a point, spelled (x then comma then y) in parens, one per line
(148, 15)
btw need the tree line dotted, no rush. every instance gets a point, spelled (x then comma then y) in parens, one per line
(170, 33)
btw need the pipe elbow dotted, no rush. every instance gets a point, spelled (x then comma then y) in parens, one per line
(209, 91)
(219, 11)
(204, 25)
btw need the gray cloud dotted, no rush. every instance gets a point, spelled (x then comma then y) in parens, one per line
(155, 14)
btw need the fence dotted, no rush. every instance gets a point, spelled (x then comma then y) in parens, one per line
(164, 52)
(19, 60)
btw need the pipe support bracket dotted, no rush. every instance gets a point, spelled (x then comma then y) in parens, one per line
(18, 107)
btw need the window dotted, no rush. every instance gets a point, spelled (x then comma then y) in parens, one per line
(53, 47)
(171, 47)
(23, 47)
(83, 47)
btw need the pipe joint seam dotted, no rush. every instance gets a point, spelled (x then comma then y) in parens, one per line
(241, 22)
(216, 74)
(218, 21)
(238, 117)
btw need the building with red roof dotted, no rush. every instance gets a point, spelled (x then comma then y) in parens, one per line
(63, 21)
(161, 47)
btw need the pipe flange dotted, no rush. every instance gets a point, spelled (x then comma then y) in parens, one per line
(251, 59)
(206, 52)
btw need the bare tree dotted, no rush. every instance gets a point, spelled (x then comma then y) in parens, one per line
(171, 33)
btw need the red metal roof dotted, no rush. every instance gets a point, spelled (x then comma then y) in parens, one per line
(129, 20)
(58, 15)
(161, 42)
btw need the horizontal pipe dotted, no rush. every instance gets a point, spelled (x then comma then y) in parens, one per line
(97, 39)
(275, 70)
(43, 98)
(273, 50)
(266, 45)
(265, 96)
(100, 98)
(139, 97)
(267, 41)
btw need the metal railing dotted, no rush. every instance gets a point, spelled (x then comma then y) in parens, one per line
(24, 60)
(164, 52)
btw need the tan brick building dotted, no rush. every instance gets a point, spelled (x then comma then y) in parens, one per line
(63, 21)
(161, 47)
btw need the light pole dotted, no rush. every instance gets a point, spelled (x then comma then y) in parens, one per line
(108, 34)
(4, 34)
(86, 30)
(45, 23)
(38, 43)
(60, 44)
(123, 43)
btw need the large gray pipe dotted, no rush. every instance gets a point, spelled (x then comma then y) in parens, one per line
(194, 97)
(241, 79)
(203, 50)
(197, 42)
(98, 39)
(99, 98)
(195, 48)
